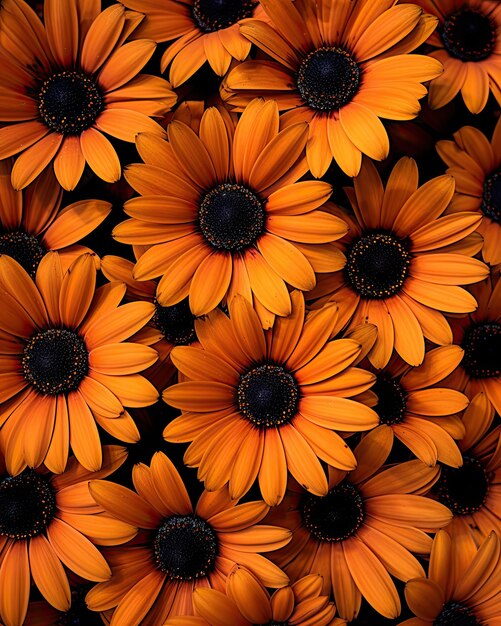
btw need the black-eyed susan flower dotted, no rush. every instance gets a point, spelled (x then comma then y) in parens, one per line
(170, 325)
(48, 521)
(405, 261)
(200, 31)
(222, 213)
(479, 334)
(417, 411)
(247, 602)
(475, 164)
(31, 222)
(69, 80)
(65, 363)
(472, 490)
(340, 67)
(179, 548)
(462, 587)
(468, 43)
(275, 399)
(363, 530)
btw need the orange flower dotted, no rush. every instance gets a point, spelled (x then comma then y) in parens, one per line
(170, 326)
(275, 399)
(69, 80)
(462, 587)
(340, 67)
(472, 490)
(479, 334)
(247, 602)
(476, 166)
(363, 530)
(417, 412)
(31, 223)
(200, 31)
(223, 214)
(179, 548)
(47, 521)
(469, 46)
(64, 364)
(405, 261)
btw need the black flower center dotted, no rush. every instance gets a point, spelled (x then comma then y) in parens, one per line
(469, 35)
(185, 547)
(377, 265)
(336, 516)
(24, 248)
(69, 102)
(391, 400)
(463, 489)
(491, 199)
(455, 614)
(231, 217)
(482, 350)
(55, 361)
(268, 395)
(27, 505)
(328, 78)
(211, 15)
(176, 322)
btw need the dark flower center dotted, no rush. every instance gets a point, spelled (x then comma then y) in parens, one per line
(69, 102)
(336, 516)
(463, 489)
(491, 199)
(268, 395)
(231, 217)
(79, 614)
(24, 248)
(455, 614)
(391, 400)
(27, 505)
(482, 350)
(55, 361)
(176, 322)
(211, 15)
(377, 265)
(328, 78)
(469, 35)
(185, 547)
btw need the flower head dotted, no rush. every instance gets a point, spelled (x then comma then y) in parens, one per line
(68, 81)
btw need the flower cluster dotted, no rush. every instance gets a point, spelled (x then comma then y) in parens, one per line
(250, 319)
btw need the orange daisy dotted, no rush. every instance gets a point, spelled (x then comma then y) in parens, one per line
(223, 214)
(462, 587)
(170, 325)
(365, 528)
(69, 80)
(340, 67)
(31, 222)
(479, 334)
(472, 491)
(65, 364)
(417, 412)
(46, 522)
(468, 39)
(476, 166)
(405, 261)
(200, 31)
(247, 602)
(274, 397)
(179, 548)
